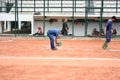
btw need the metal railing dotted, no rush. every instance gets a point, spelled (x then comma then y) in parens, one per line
(73, 7)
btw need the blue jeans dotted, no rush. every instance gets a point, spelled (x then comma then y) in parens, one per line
(108, 36)
(51, 37)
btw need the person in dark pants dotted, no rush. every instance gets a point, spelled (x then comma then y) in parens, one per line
(53, 35)
(65, 27)
(108, 31)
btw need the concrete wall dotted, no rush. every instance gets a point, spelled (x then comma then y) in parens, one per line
(79, 29)
(11, 17)
(91, 26)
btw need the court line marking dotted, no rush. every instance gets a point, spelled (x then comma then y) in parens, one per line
(10, 40)
(58, 58)
(87, 49)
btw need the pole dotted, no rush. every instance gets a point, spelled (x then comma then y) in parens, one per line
(116, 6)
(73, 20)
(34, 6)
(44, 18)
(48, 5)
(61, 5)
(101, 16)
(86, 20)
(15, 16)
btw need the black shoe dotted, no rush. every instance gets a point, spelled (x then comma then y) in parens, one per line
(54, 48)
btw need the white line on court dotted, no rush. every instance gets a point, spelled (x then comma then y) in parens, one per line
(58, 58)
(6, 41)
(87, 49)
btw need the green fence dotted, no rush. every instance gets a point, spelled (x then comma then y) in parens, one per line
(89, 8)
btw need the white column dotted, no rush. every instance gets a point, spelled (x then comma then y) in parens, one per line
(8, 26)
(19, 25)
(5, 25)
(0, 27)
(32, 27)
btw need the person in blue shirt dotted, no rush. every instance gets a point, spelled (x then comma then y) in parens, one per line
(108, 31)
(53, 35)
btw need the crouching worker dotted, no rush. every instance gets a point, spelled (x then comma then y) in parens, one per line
(53, 35)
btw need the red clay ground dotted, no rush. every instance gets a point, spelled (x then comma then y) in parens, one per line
(32, 59)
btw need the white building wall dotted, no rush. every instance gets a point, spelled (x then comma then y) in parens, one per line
(117, 27)
(48, 25)
(91, 26)
(79, 29)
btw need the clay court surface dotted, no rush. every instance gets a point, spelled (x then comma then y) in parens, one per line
(76, 59)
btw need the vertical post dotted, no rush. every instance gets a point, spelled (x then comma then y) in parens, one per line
(73, 20)
(101, 16)
(32, 24)
(0, 26)
(1, 6)
(116, 6)
(86, 20)
(48, 5)
(21, 5)
(8, 26)
(34, 6)
(15, 16)
(44, 18)
(61, 5)
(75, 5)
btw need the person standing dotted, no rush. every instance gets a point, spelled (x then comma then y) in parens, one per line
(108, 30)
(65, 27)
